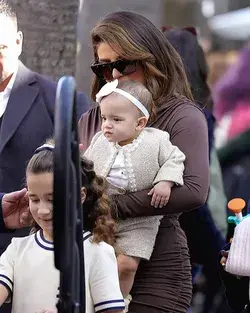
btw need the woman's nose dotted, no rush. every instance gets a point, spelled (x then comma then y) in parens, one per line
(116, 74)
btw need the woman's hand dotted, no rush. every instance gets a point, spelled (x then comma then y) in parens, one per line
(15, 209)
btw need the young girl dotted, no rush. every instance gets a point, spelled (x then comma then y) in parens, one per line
(133, 157)
(28, 277)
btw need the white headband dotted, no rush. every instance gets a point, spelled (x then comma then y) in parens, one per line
(110, 87)
(46, 146)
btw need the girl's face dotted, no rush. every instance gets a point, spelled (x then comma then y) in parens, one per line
(40, 192)
(107, 54)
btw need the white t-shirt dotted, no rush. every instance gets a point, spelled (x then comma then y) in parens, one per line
(27, 269)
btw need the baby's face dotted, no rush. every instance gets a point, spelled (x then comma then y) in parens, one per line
(119, 119)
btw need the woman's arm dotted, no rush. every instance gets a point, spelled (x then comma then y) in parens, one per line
(189, 133)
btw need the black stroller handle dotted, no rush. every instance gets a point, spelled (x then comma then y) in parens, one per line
(68, 216)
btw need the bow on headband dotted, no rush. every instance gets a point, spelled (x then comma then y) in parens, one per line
(111, 87)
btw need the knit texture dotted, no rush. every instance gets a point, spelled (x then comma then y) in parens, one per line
(238, 262)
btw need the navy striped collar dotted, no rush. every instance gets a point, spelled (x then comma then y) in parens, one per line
(42, 242)
(49, 245)
(86, 235)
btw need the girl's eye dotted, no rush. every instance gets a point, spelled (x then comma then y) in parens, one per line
(103, 118)
(34, 200)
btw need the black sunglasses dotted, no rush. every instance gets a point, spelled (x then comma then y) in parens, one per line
(105, 70)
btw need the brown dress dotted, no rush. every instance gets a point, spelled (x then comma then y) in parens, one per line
(163, 284)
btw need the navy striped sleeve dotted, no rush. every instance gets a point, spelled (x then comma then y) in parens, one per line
(6, 282)
(112, 305)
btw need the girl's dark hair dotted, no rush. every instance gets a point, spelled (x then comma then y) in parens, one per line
(136, 38)
(97, 208)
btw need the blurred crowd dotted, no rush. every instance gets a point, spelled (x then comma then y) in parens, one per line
(227, 77)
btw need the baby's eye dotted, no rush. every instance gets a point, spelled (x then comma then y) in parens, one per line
(103, 118)
(117, 119)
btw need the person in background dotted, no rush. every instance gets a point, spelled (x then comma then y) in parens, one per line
(232, 134)
(27, 104)
(205, 247)
(218, 63)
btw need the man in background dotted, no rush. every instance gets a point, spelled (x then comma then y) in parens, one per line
(27, 104)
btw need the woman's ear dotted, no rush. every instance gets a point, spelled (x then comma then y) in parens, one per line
(141, 123)
(83, 194)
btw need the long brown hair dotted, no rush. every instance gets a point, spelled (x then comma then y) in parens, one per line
(136, 38)
(97, 207)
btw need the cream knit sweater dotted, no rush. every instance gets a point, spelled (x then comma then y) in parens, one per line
(149, 159)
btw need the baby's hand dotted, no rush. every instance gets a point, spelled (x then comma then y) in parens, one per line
(161, 193)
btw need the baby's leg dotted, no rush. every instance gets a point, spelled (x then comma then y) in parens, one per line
(135, 241)
(127, 267)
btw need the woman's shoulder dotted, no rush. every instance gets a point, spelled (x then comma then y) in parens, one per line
(90, 114)
(179, 112)
(185, 107)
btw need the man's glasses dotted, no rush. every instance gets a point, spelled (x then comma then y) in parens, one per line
(105, 70)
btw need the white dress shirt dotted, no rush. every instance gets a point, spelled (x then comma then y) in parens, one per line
(4, 95)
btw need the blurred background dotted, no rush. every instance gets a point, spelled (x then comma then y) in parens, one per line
(57, 42)
(57, 31)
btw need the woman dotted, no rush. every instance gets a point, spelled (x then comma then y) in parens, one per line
(127, 46)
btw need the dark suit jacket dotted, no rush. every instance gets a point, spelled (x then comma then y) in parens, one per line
(27, 122)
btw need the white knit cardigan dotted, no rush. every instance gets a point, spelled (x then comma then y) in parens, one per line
(149, 159)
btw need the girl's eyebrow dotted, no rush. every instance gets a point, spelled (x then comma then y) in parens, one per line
(33, 195)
